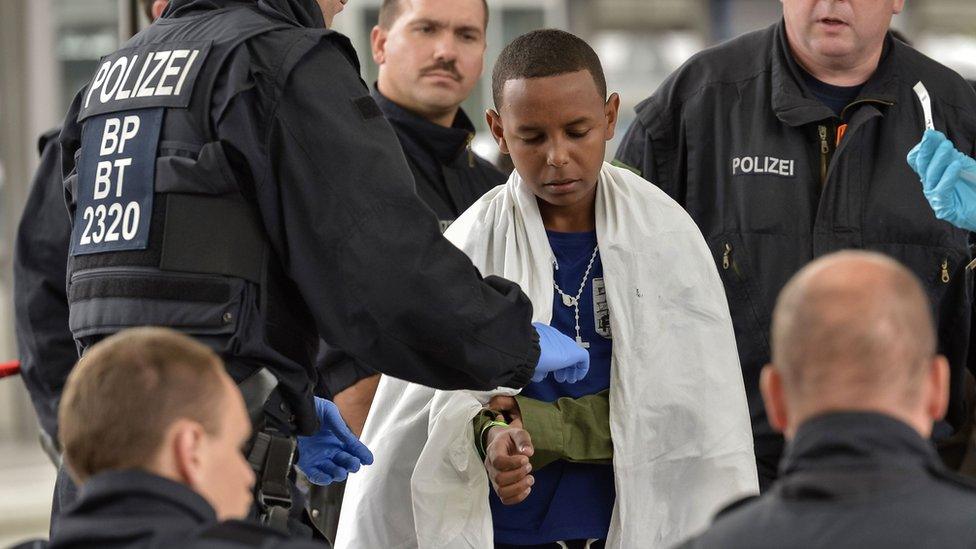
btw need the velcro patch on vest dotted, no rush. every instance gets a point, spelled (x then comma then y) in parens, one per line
(116, 175)
(156, 75)
(367, 107)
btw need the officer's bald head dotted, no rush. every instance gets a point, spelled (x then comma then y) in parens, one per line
(854, 331)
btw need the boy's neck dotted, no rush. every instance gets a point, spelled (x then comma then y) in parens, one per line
(576, 218)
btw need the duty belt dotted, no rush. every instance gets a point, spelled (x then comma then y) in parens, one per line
(271, 453)
(271, 458)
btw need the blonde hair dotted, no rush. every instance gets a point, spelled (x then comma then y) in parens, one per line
(127, 390)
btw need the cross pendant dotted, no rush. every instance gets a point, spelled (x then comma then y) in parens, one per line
(581, 343)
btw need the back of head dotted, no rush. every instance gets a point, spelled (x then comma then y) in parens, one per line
(853, 331)
(127, 390)
(543, 53)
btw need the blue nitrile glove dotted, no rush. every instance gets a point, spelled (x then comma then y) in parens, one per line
(561, 355)
(331, 454)
(948, 179)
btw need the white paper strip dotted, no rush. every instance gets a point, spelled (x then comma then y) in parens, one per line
(926, 101)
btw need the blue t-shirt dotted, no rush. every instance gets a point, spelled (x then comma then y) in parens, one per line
(835, 97)
(568, 500)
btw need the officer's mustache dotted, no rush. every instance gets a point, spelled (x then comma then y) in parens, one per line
(449, 67)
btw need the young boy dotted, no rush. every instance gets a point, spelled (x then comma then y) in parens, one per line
(656, 437)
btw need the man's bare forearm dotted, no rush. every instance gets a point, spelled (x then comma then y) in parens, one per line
(355, 401)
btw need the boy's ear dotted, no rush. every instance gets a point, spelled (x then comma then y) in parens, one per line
(497, 131)
(377, 42)
(611, 110)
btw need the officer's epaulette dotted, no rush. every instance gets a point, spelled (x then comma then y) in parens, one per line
(943, 474)
(735, 505)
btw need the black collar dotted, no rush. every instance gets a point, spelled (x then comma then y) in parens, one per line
(106, 490)
(445, 144)
(844, 439)
(795, 105)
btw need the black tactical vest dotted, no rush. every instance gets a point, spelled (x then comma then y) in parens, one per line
(162, 233)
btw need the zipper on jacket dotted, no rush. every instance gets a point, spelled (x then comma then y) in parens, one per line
(843, 113)
(824, 154)
(945, 271)
(727, 257)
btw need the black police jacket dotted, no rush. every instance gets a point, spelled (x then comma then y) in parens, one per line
(265, 201)
(857, 480)
(449, 178)
(44, 342)
(129, 509)
(736, 138)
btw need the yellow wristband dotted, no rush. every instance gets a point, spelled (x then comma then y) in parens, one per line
(484, 430)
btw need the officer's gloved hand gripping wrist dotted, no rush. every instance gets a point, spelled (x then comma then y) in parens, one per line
(332, 453)
(560, 355)
(948, 179)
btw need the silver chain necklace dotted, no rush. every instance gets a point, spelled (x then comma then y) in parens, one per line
(573, 302)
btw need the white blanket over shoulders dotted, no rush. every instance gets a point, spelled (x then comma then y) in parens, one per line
(678, 416)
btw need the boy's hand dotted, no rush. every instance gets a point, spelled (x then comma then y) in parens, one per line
(507, 462)
(506, 406)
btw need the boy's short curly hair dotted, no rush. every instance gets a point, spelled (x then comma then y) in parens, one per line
(542, 53)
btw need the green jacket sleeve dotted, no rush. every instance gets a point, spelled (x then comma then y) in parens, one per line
(573, 429)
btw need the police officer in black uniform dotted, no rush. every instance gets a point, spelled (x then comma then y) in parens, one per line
(788, 143)
(228, 175)
(423, 78)
(855, 385)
